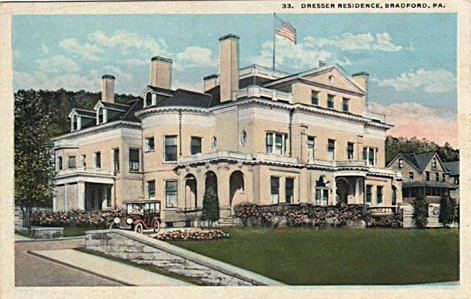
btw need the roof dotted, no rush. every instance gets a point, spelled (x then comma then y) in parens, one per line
(84, 112)
(419, 161)
(182, 97)
(453, 167)
(115, 105)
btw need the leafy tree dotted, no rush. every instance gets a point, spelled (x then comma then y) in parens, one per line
(420, 212)
(395, 145)
(34, 165)
(446, 210)
(210, 206)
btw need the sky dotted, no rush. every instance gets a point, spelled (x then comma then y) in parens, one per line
(411, 58)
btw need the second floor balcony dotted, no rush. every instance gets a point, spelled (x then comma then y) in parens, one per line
(84, 171)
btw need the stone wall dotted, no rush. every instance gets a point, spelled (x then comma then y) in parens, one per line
(142, 249)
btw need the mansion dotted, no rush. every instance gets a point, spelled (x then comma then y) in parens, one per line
(254, 135)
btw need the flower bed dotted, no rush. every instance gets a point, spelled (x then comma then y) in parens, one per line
(194, 235)
(75, 218)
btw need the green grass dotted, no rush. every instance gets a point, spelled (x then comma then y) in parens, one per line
(149, 268)
(301, 256)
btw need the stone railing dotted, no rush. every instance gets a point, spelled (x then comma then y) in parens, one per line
(214, 156)
(276, 158)
(377, 211)
(260, 92)
(84, 170)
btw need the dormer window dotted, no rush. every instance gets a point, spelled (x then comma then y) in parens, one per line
(150, 100)
(75, 125)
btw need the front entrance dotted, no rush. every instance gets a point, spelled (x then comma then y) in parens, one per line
(350, 190)
(97, 196)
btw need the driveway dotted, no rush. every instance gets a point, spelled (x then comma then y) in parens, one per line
(32, 270)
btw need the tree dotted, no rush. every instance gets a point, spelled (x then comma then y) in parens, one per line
(447, 210)
(34, 165)
(210, 206)
(420, 212)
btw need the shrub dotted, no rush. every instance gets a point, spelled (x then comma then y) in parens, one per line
(75, 218)
(389, 221)
(210, 206)
(420, 212)
(447, 210)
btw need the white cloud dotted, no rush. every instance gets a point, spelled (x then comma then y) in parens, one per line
(289, 55)
(44, 48)
(349, 41)
(135, 62)
(57, 64)
(195, 57)
(416, 120)
(434, 81)
(85, 50)
(126, 41)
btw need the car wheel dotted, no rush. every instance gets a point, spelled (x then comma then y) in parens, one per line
(138, 228)
(156, 226)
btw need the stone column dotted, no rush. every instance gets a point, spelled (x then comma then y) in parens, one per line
(81, 195)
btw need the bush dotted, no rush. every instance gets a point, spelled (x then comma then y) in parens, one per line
(194, 235)
(75, 218)
(420, 212)
(210, 207)
(447, 210)
(394, 221)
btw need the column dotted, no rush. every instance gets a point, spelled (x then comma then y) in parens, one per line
(81, 195)
(357, 190)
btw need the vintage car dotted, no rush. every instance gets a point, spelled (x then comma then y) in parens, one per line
(139, 215)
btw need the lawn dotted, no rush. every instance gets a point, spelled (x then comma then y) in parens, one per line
(301, 256)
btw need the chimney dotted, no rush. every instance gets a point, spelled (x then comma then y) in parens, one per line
(107, 88)
(161, 72)
(210, 82)
(362, 80)
(228, 66)
(322, 63)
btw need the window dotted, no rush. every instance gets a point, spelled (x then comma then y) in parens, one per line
(214, 142)
(456, 181)
(75, 123)
(116, 159)
(101, 115)
(330, 101)
(275, 143)
(350, 151)
(171, 194)
(411, 176)
(379, 195)
(148, 100)
(310, 147)
(314, 97)
(331, 149)
(151, 189)
(345, 105)
(59, 163)
(243, 137)
(134, 159)
(370, 155)
(71, 162)
(443, 177)
(401, 163)
(275, 189)
(289, 190)
(149, 144)
(368, 194)
(195, 145)
(427, 175)
(83, 161)
(322, 193)
(437, 177)
(170, 148)
(97, 158)
(434, 163)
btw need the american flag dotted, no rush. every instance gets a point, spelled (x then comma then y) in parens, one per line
(285, 29)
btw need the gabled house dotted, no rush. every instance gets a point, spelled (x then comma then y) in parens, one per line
(253, 135)
(423, 174)
(454, 178)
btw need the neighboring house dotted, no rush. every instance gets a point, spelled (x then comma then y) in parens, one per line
(254, 135)
(424, 174)
(454, 178)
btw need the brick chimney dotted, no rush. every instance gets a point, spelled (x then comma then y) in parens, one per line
(361, 79)
(161, 72)
(228, 66)
(107, 88)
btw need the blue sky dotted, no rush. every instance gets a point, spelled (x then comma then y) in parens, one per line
(411, 58)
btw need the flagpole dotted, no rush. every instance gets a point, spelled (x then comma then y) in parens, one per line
(274, 39)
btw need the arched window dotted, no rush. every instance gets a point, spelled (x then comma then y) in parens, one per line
(148, 101)
(322, 192)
